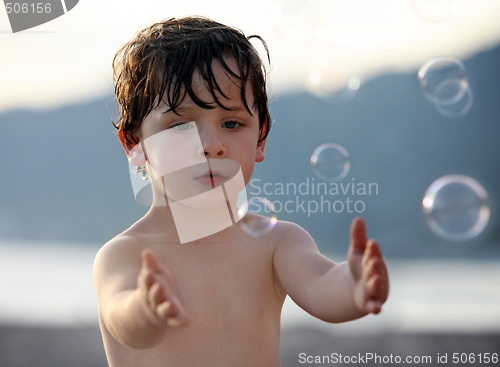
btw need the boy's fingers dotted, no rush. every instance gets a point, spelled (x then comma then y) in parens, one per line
(149, 260)
(377, 288)
(149, 281)
(373, 256)
(358, 235)
(373, 306)
(161, 292)
(144, 281)
(373, 266)
(377, 267)
(157, 294)
(374, 286)
(164, 310)
(152, 295)
(374, 249)
(171, 313)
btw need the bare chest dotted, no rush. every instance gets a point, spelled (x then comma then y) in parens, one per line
(230, 296)
(214, 277)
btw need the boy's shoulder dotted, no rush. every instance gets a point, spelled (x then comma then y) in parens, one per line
(122, 250)
(289, 236)
(282, 231)
(289, 231)
(128, 245)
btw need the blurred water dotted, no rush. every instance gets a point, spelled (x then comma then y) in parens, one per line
(428, 296)
(44, 283)
(51, 284)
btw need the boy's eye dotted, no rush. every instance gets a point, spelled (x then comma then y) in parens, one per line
(231, 124)
(182, 126)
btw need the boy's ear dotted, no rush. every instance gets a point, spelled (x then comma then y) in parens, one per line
(259, 154)
(261, 146)
(134, 151)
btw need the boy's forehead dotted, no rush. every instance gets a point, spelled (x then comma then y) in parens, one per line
(229, 85)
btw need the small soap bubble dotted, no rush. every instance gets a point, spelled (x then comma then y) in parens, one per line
(262, 221)
(330, 162)
(297, 20)
(435, 76)
(434, 10)
(444, 82)
(334, 81)
(456, 207)
(457, 108)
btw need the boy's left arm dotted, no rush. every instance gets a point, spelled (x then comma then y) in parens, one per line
(329, 291)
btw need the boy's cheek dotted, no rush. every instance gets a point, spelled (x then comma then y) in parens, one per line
(169, 151)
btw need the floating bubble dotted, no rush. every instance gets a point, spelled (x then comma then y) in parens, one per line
(454, 108)
(262, 219)
(435, 76)
(444, 82)
(456, 207)
(434, 10)
(334, 81)
(330, 162)
(297, 20)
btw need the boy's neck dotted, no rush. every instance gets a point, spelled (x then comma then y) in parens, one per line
(161, 221)
(180, 223)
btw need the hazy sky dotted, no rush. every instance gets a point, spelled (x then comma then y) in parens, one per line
(68, 59)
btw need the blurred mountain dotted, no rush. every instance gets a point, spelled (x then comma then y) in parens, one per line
(65, 176)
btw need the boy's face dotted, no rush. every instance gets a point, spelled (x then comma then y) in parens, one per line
(196, 135)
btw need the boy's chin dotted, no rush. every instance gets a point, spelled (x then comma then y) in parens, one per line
(206, 201)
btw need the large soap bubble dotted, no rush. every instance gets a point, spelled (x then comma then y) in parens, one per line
(262, 218)
(434, 10)
(297, 20)
(335, 80)
(456, 207)
(330, 162)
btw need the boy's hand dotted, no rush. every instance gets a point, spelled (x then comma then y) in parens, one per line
(368, 270)
(158, 297)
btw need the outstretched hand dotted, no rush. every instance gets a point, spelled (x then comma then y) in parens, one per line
(368, 270)
(157, 293)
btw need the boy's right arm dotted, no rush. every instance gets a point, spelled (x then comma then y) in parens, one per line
(136, 296)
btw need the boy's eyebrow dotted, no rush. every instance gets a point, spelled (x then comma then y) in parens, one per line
(178, 110)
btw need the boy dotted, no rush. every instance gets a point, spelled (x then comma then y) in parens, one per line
(211, 300)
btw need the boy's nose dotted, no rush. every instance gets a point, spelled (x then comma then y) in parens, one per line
(212, 147)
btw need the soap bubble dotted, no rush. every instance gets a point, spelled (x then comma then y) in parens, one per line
(434, 10)
(444, 82)
(263, 220)
(457, 108)
(297, 20)
(456, 207)
(435, 75)
(330, 162)
(334, 80)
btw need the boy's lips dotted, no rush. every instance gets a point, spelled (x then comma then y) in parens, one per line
(211, 178)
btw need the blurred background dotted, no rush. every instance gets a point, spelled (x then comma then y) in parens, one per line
(388, 109)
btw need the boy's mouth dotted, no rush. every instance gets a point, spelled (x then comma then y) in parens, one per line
(211, 178)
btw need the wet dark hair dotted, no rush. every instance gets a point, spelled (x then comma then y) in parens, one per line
(161, 59)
